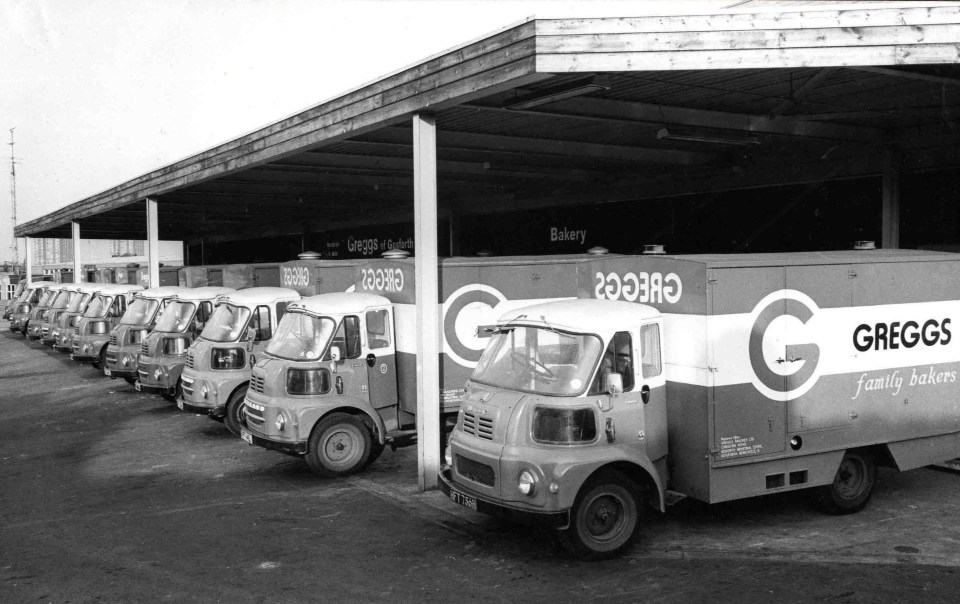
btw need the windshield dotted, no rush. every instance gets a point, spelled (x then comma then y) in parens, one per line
(176, 317)
(62, 299)
(25, 295)
(47, 296)
(541, 361)
(301, 337)
(78, 302)
(140, 311)
(226, 324)
(98, 306)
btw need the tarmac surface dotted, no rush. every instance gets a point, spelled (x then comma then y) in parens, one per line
(109, 495)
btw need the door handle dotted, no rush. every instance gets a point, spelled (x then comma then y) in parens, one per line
(645, 394)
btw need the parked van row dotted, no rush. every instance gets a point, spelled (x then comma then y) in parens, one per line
(581, 391)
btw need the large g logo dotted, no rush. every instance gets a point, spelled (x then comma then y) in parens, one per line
(466, 309)
(792, 370)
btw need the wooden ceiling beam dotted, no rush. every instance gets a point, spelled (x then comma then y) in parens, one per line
(910, 75)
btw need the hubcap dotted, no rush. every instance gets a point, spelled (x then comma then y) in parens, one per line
(605, 517)
(850, 477)
(340, 447)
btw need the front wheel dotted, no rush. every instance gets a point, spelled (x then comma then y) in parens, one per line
(604, 518)
(101, 363)
(177, 392)
(233, 418)
(851, 487)
(339, 445)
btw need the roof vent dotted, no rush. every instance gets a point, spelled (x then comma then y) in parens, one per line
(653, 248)
(309, 255)
(864, 245)
(395, 254)
(598, 251)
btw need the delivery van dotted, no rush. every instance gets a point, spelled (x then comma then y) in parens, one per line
(66, 321)
(91, 335)
(33, 328)
(163, 351)
(339, 413)
(67, 294)
(134, 325)
(716, 377)
(29, 297)
(217, 370)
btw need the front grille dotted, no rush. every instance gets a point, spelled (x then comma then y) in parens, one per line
(187, 385)
(256, 383)
(189, 362)
(113, 339)
(481, 427)
(144, 349)
(45, 330)
(254, 416)
(475, 471)
(143, 374)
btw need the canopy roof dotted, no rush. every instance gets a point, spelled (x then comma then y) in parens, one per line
(576, 111)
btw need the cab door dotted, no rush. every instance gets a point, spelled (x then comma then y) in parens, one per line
(380, 355)
(653, 389)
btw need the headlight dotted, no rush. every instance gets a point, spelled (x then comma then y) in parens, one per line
(281, 421)
(98, 327)
(175, 346)
(126, 360)
(448, 456)
(307, 381)
(136, 335)
(227, 358)
(204, 391)
(527, 484)
(563, 426)
(157, 374)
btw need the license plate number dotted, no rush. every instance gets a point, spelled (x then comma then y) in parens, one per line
(246, 436)
(464, 500)
(136, 385)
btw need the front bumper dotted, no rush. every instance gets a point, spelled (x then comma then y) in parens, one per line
(485, 505)
(83, 350)
(116, 355)
(290, 448)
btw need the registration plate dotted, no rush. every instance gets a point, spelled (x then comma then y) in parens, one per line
(180, 404)
(71, 357)
(136, 385)
(106, 372)
(246, 436)
(464, 500)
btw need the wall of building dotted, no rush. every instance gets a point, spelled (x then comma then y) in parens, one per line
(58, 253)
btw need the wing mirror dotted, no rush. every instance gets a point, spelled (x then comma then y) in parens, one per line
(335, 354)
(613, 384)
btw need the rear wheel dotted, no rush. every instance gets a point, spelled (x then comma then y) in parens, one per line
(339, 445)
(604, 518)
(851, 487)
(234, 419)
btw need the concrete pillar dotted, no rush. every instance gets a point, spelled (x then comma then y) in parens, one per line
(153, 244)
(28, 258)
(427, 297)
(890, 229)
(77, 267)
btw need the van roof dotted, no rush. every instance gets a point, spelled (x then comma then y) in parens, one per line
(164, 291)
(199, 294)
(581, 315)
(339, 303)
(118, 288)
(258, 295)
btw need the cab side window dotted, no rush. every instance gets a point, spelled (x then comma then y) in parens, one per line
(281, 310)
(347, 339)
(623, 362)
(118, 307)
(260, 322)
(650, 350)
(378, 329)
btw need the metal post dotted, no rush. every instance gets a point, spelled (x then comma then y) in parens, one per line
(427, 298)
(28, 258)
(890, 230)
(153, 244)
(77, 276)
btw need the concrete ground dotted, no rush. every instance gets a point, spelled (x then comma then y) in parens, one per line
(109, 495)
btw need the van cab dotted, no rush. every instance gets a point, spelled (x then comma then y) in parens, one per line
(92, 332)
(136, 323)
(163, 352)
(67, 294)
(62, 332)
(218, 363)
(33, 328)
(29, 297)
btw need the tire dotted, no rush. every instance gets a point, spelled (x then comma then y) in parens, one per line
(375, 450)
(233, 419)
(101, 363)
(177, 392)
(23, 330)
(604, 518)
(130, 380)
(852, 486)
(338, 446)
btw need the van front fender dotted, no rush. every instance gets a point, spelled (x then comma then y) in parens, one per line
(573, 474)
(309, 416)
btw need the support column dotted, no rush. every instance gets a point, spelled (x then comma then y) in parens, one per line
(28, 258)
(427, 291)
(153, 244)
(890, 230)
(77, 267)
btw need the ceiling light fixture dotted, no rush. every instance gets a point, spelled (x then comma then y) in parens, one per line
(559, 92)
(695, 136)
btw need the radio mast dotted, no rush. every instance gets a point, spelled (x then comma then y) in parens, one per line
(13, 198)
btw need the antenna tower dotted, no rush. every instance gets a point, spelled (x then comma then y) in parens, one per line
(13, 198)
